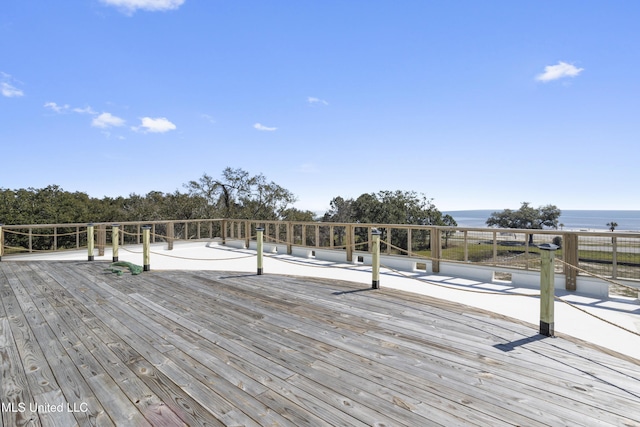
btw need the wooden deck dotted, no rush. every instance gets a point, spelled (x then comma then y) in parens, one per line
(209, 348)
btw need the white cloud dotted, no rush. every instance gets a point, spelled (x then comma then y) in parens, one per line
(208, 118)
(130, 6)
(66, 107)
(85, 110)
(264, 128)
(106, 120)
(558, 71)
(313, 100)
(10, 91)
(157, 125)
(7, 87)
(55, 107)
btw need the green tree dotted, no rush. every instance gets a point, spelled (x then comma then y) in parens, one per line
(395, 207)
(448, 220)
(142, 208)
(240, 195)
(294, 214)
(49, 205)
(612, 225)
(340, 210)
(389, 207)
(526, 217)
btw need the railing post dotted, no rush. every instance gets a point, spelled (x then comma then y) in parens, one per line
(494, 255)
(331, 236)
(102, 239)
(115, 236)
(146, 251)
(389, 239)
(436, 249)
(466, 246)
(526, 251)
(170, 235)
(375, 259)
(90, 241)
(571, 258)
(1, 241)
(350, 240)
(547, 291)
(259, 241)
(614, 257)
(223, 231)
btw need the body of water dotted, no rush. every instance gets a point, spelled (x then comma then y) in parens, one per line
(572, 219)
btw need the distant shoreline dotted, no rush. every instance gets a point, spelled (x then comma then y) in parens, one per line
(572, 219)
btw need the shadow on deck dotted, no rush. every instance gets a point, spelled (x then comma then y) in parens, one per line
(212, 348)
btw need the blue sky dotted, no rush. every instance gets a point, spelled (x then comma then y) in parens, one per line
(477, 104)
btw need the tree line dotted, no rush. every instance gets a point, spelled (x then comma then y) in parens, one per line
(234, 194)
(239, 195)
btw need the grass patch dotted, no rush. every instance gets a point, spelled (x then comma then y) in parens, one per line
(484, 253)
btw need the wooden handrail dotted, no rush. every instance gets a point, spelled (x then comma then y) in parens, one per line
(345, 236)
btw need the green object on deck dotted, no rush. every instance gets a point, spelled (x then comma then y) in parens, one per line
(133, 268)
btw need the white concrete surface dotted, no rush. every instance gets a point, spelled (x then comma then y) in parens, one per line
(504, 298)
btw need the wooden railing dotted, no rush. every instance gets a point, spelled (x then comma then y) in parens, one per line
(612, 255)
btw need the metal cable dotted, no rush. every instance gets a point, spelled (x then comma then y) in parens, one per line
(43, 235)
(597, 317)
(190, 258)
(523, 295)
(597, 276)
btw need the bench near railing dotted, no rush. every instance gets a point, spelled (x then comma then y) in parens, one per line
(508, 251)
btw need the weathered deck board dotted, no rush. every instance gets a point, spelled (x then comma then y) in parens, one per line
(448, 357)
(89, 361)
(305, 364)
(209, 348)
